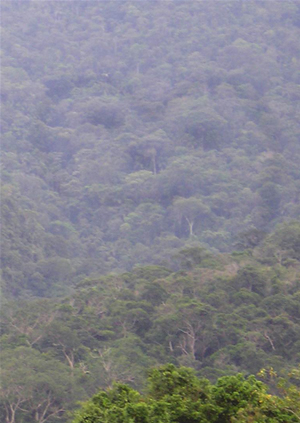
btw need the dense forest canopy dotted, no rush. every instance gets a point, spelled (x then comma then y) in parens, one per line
(150, 196)
(134, 128)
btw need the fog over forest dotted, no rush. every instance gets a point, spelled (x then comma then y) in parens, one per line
(150, 201)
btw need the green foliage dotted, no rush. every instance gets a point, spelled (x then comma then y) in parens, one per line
(141, 142)
(176, 395)
(133, 132)
(283, 244)
(169, 380)
(34, 384)
(193, 256)
(219, 315)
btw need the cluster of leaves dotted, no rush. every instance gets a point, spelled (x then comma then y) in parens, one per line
(177, 396)
(220, 314)
(131, 130)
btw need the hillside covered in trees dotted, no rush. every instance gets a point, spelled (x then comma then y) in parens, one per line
(132, 129)
(150, 195)
(220, 314)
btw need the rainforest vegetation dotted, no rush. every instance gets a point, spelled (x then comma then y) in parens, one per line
(150, 207)
(178, 396)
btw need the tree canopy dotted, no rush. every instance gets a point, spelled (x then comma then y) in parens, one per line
(131, 130)
(150, 207)
(177, 396)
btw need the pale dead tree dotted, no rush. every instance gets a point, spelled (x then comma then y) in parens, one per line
(111, 367)
(47, 409)
(106, 361)
(128, 326)
(66, 341)
(68, 354)
(270, 340)
(192, 210)
(182, 345)
(83, 367)
(11, 409)
(190, 333)
(13, 400)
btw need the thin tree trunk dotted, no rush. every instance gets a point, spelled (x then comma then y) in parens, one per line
(191, 224)
(154, 165)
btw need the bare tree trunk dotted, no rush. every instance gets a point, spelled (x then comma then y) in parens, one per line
(191, 224)
(190, 339)
(154, 164)
(11, 411)
(70, 359)
(270, 340)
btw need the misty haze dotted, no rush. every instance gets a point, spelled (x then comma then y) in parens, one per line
(150, 208)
